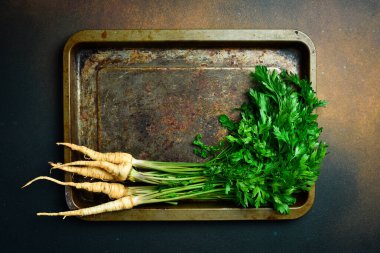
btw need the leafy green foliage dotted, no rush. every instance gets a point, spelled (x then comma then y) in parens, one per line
(273, 151)
(204, 150)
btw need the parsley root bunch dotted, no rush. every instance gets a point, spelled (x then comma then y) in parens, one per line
(271, 153)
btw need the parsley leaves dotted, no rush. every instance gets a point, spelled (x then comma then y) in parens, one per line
(273, 151)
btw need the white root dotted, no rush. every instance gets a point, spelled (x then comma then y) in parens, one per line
(116, 157)
(113, 190)
(124, 203)
(120, 172)
(85, 171)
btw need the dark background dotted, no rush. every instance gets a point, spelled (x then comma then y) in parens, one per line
(345, 216)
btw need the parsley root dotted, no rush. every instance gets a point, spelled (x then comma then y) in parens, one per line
(113, 190)
(124, 203)
(120, 171)
(116, 157)
(91, 172)
(128, 202)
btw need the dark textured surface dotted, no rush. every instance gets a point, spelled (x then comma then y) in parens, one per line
(345, 215)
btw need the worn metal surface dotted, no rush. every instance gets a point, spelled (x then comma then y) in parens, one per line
(150, 99)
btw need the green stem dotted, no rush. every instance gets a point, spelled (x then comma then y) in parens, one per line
(171, 167)
(186, 196)
(162, 192)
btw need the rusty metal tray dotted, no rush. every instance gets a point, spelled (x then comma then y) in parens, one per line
(148, 92)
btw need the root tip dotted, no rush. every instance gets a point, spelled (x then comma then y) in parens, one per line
(45, 214)
(48, 214)
(66, 144)
(55, 165)
(30, 182)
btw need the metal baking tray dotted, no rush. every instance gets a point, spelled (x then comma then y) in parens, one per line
(149, 92)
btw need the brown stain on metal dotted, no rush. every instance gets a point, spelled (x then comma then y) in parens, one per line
(104, 34)
(136, 56)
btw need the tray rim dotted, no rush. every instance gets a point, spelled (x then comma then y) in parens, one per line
(179, 35)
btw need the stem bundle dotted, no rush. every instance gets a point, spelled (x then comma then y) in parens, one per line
(164, 181)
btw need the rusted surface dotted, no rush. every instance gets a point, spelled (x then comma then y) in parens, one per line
(152, 102)
(151, 98)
